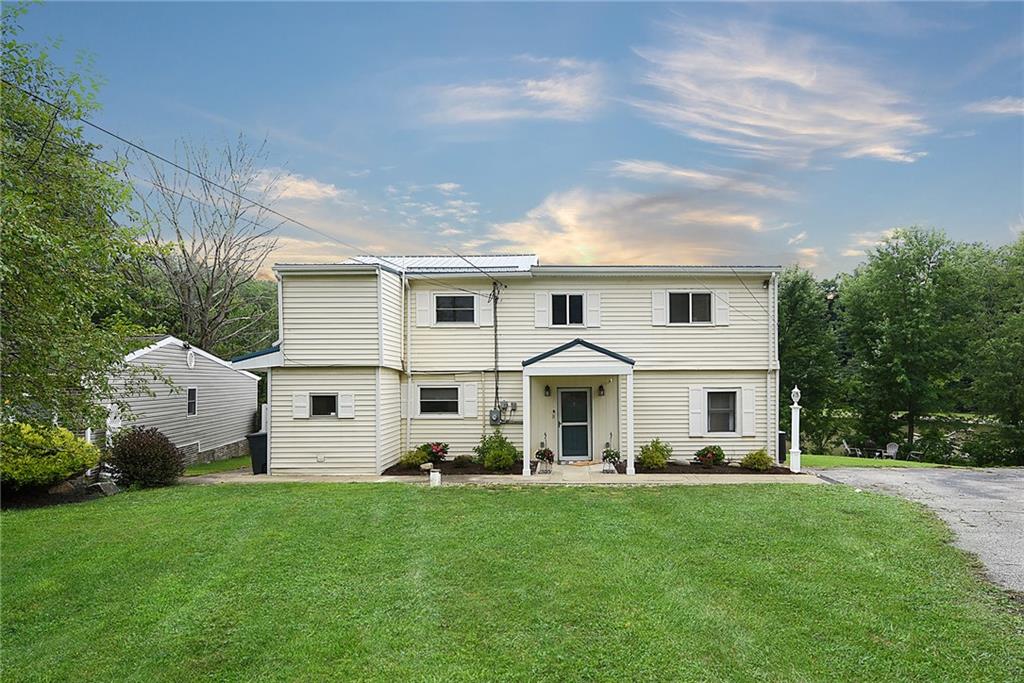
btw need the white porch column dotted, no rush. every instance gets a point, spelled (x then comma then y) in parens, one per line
(794, 451)
(630, 465)
(526, 424)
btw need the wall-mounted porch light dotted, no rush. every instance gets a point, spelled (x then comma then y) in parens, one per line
(547, 390)
(600, 390)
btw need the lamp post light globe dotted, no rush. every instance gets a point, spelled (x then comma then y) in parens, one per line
(795, 395)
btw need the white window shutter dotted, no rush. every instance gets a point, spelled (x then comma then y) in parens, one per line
(659, 307)
(300, 405)
(749, 412)
(542, 309)
(721, 307)
(484, 311)
(697, 421)
(405, 400)
(424, 316)
(469, 394)
(346, 404)
(593, 309)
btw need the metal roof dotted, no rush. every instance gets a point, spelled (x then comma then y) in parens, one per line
(491, 263)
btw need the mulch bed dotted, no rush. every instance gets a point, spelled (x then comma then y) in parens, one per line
(689, 468)
(449, 467)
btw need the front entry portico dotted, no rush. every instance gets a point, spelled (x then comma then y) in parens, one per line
(578, 400)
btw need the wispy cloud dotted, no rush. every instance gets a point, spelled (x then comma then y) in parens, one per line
(1002, 106)
(559, 89)
(766, 94)
(641, 169)
(586, 226)
(797, 239)
(294, 186)
(861, 242)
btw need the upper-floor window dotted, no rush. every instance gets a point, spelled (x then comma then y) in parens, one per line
(566, 309)
(689, 307)
(192, 401)
(721, 411)
(450, 308)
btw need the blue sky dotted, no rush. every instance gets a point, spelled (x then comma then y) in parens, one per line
(644, 133)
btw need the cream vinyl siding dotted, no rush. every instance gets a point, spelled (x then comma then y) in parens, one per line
(463, 433)
(661, 407)
(390, 417)
(625, 325)
(330, 319)
(391, 320)
(348, 446)
(225, 400)
(604, 411)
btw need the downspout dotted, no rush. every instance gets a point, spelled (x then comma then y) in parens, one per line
(380, 363)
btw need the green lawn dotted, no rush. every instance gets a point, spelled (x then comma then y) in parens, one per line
(843, 461)
(399, 582)
(218, 466)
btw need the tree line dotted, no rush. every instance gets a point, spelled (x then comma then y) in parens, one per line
(922, 344)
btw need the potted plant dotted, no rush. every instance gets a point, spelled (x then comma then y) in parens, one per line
(610, 457)
(545, 456)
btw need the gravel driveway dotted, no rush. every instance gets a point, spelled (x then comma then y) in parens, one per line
(985, 508)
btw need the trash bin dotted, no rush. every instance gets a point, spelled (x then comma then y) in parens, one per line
(782, 447)
(258, 451)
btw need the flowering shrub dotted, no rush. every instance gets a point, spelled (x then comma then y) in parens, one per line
(435, 451)
(545, 455)
(710, 455)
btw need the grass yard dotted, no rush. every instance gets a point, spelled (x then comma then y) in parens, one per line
(399, 582)
(844, 461)
(218, 466)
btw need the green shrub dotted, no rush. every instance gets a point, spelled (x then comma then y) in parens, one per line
(710, 455)
(757, 460)
(42, 456)
(144, 458)
(654, 455)
(495, 452)
(413, 458)
(935, 447)
(462, 461)
(1000, 446)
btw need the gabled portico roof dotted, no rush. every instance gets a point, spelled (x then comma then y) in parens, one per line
(578, 342)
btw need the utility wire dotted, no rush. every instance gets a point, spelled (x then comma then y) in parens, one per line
(748, 289)
(222, 187)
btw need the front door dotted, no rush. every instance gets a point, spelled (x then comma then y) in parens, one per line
(574, 424)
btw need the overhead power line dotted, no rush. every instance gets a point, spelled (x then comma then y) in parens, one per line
(224, 188)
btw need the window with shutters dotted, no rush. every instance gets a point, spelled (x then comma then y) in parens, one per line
(721, 411)
(566, 309)
(323, 405)
(689, 308)
(454, 308)
(439, 400)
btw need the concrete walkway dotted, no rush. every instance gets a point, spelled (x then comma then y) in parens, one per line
(984, 507)
(561, 475)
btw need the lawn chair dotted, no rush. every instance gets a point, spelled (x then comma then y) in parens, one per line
(851, 452)
(891, 449)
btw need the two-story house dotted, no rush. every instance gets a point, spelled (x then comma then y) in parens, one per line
(377, 355)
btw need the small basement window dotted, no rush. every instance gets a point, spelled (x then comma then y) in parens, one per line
(689, 307)
(323, 405)
(454, 309)
(192, 401)
(566, 309)
(439, 400)
(721, 411)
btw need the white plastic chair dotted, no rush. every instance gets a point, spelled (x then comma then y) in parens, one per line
(891, 449)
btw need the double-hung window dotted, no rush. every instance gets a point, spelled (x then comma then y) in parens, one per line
(439, 400)
(566, 309)
(686, 308)
(721, 412)
(323, 405)
(454, 308)
(192, 401)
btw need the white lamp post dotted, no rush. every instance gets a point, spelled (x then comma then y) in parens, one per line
(794, 452)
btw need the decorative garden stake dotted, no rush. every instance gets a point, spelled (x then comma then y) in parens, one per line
(794, 452)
